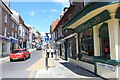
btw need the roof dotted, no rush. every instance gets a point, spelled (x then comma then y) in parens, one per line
(6, 7)
(53, 25)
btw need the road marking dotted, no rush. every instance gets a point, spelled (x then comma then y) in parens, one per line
(31, 75)
(37, 74)
(5, 60)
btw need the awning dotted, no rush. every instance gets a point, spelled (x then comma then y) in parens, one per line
(101, 17)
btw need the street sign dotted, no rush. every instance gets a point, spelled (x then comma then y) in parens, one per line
(46, 39)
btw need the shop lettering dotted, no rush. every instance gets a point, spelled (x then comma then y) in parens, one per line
(106, 66)
(90, 23)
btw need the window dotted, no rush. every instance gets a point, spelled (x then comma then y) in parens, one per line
(86, 2)
(104, 41)
(16, 27)
(5, 17)
(15, 35)
(13, 24)
(19, 32)
(5, 31)
(25, 50)
(87, 44)
(16, 51)
(12, 34)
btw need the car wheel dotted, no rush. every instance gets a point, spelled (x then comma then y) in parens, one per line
(11, 60)
(29, 56)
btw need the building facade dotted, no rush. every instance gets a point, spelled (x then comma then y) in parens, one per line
(5, 19)
(98, 28)
(52, 31)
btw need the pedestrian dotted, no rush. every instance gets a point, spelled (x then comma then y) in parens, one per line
(52, 51)
(48, 52)
(56, 53)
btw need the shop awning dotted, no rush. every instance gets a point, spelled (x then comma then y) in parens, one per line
(101, 17)
(80, 14)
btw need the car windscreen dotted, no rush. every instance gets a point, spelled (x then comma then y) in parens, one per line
(16, 51)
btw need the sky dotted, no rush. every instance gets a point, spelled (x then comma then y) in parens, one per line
(39, 14)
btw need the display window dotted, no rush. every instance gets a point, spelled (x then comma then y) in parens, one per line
(86, 41)
(104, 41)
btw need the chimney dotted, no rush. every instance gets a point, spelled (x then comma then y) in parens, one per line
(8, 3)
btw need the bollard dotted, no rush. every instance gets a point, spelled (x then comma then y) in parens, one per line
(46, 63)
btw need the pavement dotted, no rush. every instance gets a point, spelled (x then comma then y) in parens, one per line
(63, 69)
(2, 59)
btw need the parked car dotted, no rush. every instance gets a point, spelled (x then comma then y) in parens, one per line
(19, 54)
(39, 48)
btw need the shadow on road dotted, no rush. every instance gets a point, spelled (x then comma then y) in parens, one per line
(78, 70)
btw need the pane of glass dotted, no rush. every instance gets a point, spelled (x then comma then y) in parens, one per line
(16, 51)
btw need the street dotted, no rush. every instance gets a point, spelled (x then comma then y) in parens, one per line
(21, 69)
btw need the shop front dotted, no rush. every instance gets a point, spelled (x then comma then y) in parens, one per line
(98, 39)
(68, 47)
(14, 43)
(4, 46)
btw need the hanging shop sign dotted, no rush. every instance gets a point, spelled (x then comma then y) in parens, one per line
(103, 16)
(107, 66)
(118, 13)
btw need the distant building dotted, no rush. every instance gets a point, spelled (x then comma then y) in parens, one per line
(52, 31)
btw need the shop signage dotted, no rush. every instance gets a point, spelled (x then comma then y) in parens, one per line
(13, 40)
(46, 39)
(4, 39)
(103, 16)
(107, 66)
(118, 13)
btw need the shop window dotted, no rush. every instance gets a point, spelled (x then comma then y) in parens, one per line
(104, 41)
(87, 46)
(70, 49)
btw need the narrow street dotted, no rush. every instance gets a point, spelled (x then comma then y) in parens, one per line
(35, 68)
(21, 69)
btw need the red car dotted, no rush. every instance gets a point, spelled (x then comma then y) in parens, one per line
(17, 54)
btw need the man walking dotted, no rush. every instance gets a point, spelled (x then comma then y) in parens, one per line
(52, 51)
(48, 52)
(56, 53)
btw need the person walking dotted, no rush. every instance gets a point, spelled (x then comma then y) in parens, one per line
(48, 52)
(52, 51)
(56, 53)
